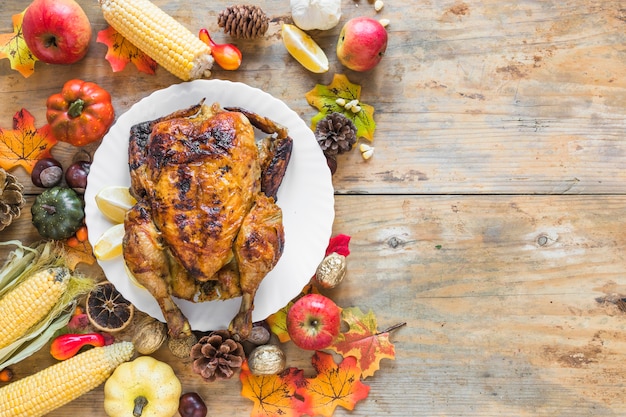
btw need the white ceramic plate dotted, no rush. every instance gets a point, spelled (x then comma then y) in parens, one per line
(306, 197)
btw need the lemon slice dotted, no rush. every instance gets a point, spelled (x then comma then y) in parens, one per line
(109, 245)
(114, 201)
(304, 49)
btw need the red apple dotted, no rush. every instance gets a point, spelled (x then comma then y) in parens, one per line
(56, 31)
(313, 322)
(362, 43)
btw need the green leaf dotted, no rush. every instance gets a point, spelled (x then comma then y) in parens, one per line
(324, 98)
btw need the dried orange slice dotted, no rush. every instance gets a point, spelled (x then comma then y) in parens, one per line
(107, 309)
(114, 201)
(304, 49)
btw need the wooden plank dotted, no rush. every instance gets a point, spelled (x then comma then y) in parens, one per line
(509, 303)
(483, 98)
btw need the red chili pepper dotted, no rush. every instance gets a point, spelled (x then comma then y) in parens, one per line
(67, 345)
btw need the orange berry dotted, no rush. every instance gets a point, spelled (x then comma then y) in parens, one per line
(81, 234)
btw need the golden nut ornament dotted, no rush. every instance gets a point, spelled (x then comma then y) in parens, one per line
(331, 270)
(267, 360)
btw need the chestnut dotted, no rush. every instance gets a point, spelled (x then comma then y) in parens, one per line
(47, 173)
(76, 176)
(192, 405)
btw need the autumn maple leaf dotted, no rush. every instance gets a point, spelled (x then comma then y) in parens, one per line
(363, 341)
(81, 253)
(290, 394)
(324, 98)
(334, 385)
(25, 144)
(273, 395)
(13, 47)
(121, 51)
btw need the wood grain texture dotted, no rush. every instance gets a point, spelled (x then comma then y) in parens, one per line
(490, 218)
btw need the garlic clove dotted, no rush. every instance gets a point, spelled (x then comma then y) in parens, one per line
(316, 14)
(366, 151)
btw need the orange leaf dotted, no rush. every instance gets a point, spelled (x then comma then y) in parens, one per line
(363, 341)
(121, 51)
(25, 144)
(13, 46)
(334, 385)
(83, 252)
(273, 395)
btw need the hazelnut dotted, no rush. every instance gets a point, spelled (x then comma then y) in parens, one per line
(260, 334)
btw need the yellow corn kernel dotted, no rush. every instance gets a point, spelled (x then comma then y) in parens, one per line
(39, 394)
(160, 36)
(30, 301)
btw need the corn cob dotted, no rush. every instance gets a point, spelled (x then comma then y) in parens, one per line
(159, 36)
(50, 388)
(30, 301)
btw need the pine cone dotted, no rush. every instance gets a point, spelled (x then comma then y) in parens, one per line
(217, 356)
(335, 134)
(11, 198)
(243, 21)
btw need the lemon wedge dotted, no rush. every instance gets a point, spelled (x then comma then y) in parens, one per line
(109, 245)
(114, 201)
(304, 49)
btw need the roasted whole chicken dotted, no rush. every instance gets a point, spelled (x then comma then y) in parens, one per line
(206, 224)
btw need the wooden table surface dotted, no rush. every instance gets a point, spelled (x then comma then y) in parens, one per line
(490, 218)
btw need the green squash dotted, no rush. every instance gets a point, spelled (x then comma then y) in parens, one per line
(58, 213)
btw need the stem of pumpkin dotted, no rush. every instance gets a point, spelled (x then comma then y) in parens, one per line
(140, 403)
(76, 108)
(50, 209)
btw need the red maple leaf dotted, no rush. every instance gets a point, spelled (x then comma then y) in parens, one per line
(334, 385)
(25, 144)
(121, 51)
(363, 341)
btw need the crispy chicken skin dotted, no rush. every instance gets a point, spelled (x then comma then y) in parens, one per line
(206, 225)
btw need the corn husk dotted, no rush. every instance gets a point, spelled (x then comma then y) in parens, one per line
(23, 262)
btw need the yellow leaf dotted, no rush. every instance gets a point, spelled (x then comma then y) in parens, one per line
(13, 47)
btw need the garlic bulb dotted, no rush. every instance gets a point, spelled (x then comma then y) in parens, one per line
(316, 14)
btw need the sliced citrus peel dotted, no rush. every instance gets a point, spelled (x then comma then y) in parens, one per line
(304, 49)
(107, 309)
